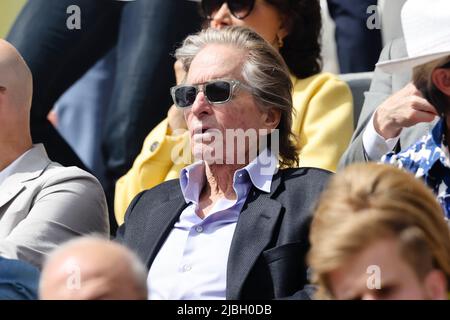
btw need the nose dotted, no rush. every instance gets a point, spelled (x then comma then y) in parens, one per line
(201, 106)
(222, 18)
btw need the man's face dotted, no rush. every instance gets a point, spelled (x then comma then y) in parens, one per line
(241, 112)
(379, 273)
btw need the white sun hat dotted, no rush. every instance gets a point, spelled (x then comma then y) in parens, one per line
(426, 29)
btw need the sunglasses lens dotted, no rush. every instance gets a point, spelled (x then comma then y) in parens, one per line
(218, 91)
(210, 7)
(185, 96)
(240, 8)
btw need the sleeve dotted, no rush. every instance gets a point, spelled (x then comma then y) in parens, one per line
(375, 145)
(327, 124)
(162, 157)
(70, 203)
(380, 90)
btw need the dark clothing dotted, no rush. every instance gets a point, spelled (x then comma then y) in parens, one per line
(358, 47)
(269, 246)
(18, 280)
(145, 34)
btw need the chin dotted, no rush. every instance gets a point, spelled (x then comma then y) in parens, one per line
(207, 153)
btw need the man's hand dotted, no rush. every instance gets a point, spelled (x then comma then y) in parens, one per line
(176, 120)
(179, 72)
(175, 116)
(403, 109)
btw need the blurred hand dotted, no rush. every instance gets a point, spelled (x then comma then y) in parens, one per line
(176, 120)
(179, 72)
(403, 109)
(175, 116)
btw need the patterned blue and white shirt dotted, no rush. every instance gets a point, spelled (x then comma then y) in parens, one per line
(429, 160)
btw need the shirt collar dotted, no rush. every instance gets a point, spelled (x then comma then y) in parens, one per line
(260, 171)
(9, 170)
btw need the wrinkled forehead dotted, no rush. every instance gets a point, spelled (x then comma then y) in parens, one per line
(216, 61)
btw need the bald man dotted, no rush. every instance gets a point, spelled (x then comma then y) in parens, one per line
(92, 269)
(42, 204)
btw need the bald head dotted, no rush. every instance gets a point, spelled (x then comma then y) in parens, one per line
(90, 269)
(16, 83)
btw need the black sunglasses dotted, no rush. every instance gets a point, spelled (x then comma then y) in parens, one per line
(216, 92)
(445, 66)
(238, 8)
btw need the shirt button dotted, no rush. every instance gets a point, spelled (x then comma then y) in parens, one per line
(199, 229)
(187, 268)
(154, 146)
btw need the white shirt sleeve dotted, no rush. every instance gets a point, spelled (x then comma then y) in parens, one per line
(374, 144)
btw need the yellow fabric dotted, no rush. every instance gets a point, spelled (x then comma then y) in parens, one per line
(9, 9)
(323, 121)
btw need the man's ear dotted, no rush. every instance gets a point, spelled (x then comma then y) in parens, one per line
(441, 79)
(272, 118)
(435, 284)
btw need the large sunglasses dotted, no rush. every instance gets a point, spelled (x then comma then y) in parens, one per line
(238, 8)
(216, 92)
(446, 65)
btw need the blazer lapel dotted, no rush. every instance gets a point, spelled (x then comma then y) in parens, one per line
(158, 228)
(253, 233)
(28, 168)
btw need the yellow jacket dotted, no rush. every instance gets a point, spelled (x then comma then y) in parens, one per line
(323, 121)
(9, 9)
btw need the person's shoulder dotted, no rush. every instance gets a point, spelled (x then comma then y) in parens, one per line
(308, 175)
(320, 81)
(163, 191)
(55, 172)
(397, 48)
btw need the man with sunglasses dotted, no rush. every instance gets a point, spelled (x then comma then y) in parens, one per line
(229, 229)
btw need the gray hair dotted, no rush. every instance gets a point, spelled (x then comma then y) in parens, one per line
(264, 70)
(422, 80)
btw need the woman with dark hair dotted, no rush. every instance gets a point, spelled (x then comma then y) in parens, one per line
(323, 116)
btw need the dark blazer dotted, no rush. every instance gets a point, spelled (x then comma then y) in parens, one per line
(270, 242)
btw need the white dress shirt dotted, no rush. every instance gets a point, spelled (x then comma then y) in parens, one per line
(374, 144)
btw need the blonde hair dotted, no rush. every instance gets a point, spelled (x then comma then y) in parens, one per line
(366, 202)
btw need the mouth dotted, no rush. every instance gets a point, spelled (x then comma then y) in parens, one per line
(200, 130)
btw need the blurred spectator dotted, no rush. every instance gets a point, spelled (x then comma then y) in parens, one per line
(41, 203)
(378, 233)
(144, 34)
(395, 113)
(358, 46)
(323, 117)
(18, 280)
(90, 268)
(427, 37)
(81, 111)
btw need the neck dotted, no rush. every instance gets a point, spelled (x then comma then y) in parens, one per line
(11, 149)
(219, 181)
